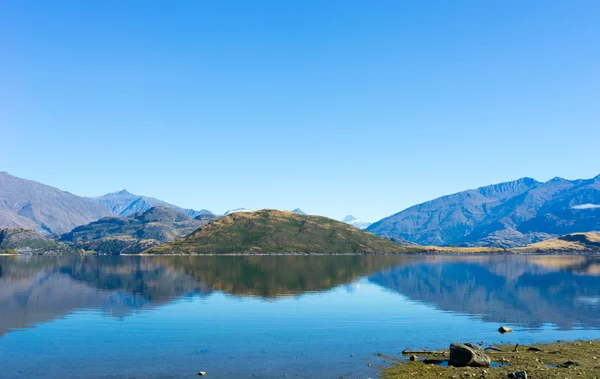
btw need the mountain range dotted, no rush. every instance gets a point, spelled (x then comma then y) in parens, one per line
(508, 214)
(124, 203)
(50, 211)
(505, 215)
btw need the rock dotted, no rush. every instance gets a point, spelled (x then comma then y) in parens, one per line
(504, 329)
(413, 358)
(518, 375)
(467, 354)
(433, 361)
(568, 364)
(201, 373)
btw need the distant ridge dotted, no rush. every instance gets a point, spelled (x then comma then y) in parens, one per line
(124, 203)
(48, 210)
(505, 215)
(299, 211)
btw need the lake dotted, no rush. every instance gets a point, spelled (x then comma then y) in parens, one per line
(277, 316)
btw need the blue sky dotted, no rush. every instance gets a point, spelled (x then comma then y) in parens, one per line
(336, 107)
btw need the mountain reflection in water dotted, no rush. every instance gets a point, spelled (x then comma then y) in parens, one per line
(526, 290)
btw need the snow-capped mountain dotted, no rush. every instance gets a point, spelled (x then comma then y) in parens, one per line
(356, 222)
(237, 210)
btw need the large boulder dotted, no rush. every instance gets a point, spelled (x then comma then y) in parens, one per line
(467, 354)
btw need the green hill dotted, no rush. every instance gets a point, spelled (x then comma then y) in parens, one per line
(272, 232)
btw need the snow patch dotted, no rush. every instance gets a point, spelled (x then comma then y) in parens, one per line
(586, 206)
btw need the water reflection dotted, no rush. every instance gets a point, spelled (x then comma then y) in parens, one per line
(527, 290)
(530, 290)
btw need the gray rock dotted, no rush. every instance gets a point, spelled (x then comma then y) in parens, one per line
(518, 375)
(568, 364)
(467, 354)
(505, 329)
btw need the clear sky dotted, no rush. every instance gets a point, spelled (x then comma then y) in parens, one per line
(336, 107)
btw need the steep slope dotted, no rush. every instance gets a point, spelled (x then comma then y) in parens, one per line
(29, 204)
(124, 203)
(27, 241)
(130, 235)
(504, 215)
(272, 231)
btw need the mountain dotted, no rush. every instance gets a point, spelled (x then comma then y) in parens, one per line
(124, 203)
(299, 211)
(271, 231)
(27, 241)
(576, 242)
(29, 204)
(506, 215)
(133, 234)
(356, 222)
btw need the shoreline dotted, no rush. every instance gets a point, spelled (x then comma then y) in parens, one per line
(559, 359)
(405, 253)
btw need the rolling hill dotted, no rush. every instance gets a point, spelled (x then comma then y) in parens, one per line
(272, 231)
(505, 215)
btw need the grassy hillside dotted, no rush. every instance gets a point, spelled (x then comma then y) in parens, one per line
(272, 231)
(576, 242)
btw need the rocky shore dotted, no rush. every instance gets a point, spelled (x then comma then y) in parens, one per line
(579, 359)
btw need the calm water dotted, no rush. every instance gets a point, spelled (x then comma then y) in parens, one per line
(277, 317)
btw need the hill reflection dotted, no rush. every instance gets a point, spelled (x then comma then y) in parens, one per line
(527, 290)
(39, 289)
